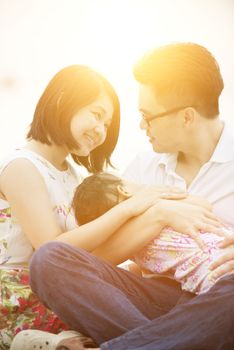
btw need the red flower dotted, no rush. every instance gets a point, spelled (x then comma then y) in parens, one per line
(24, 279)
(4, 311)
(40, 308)
(37, 322)
(22, 303)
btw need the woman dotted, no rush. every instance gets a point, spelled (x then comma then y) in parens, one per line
(78, 114)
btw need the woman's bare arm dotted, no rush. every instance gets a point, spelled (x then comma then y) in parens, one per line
(24, 188)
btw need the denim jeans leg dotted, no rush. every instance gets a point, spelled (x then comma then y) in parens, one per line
(204, 323)
(94, 297)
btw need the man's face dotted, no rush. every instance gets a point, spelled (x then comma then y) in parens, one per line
(166, 133)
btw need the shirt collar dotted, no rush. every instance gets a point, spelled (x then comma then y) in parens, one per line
(224, 150)
(168, 160)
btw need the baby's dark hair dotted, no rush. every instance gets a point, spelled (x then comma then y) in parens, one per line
(94, 196)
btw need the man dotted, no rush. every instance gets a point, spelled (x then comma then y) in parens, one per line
(180, 85)
(179, 93)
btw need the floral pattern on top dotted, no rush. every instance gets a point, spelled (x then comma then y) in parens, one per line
(5, 214)
(4, 257)
(19, 307)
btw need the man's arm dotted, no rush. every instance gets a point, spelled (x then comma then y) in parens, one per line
(136, 233)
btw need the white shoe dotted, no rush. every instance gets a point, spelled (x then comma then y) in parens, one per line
(38, 340)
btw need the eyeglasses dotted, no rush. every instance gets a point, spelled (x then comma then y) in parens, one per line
(163, 114)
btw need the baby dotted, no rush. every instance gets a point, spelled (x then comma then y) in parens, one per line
(172, 253)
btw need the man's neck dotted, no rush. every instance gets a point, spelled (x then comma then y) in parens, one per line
(199, 152)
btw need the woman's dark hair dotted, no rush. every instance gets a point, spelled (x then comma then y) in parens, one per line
(69, 90)
(94, 196)
(183, 74)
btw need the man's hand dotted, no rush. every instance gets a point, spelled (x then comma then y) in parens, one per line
(225, 264)
(189, 219)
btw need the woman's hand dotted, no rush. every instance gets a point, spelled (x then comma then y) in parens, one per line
(196, 200)
(189, 218)
(168, 192)
(146, 198)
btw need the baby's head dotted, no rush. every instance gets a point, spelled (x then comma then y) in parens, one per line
(97, 194)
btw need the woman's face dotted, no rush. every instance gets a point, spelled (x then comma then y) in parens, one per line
(89, 125)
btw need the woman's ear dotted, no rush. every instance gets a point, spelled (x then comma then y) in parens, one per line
(123, 192)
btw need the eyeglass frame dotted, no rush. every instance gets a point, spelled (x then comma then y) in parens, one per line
(163, 114)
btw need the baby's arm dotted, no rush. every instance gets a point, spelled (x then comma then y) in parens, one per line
(133, 268)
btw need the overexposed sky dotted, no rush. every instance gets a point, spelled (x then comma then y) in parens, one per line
(39, 37)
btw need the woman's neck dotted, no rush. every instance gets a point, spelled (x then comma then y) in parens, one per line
(55, 154)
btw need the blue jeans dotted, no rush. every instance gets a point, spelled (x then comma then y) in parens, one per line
(121, 311)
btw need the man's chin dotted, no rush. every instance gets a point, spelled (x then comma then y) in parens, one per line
(158, 149)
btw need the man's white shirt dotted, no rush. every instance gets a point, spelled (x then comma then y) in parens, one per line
(215, 180)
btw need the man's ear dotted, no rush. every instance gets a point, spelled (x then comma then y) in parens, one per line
(189, 115)
(123, 192)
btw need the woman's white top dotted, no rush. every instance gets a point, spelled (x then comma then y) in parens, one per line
(15, 247)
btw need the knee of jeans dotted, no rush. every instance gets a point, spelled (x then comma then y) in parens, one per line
(43, 257)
